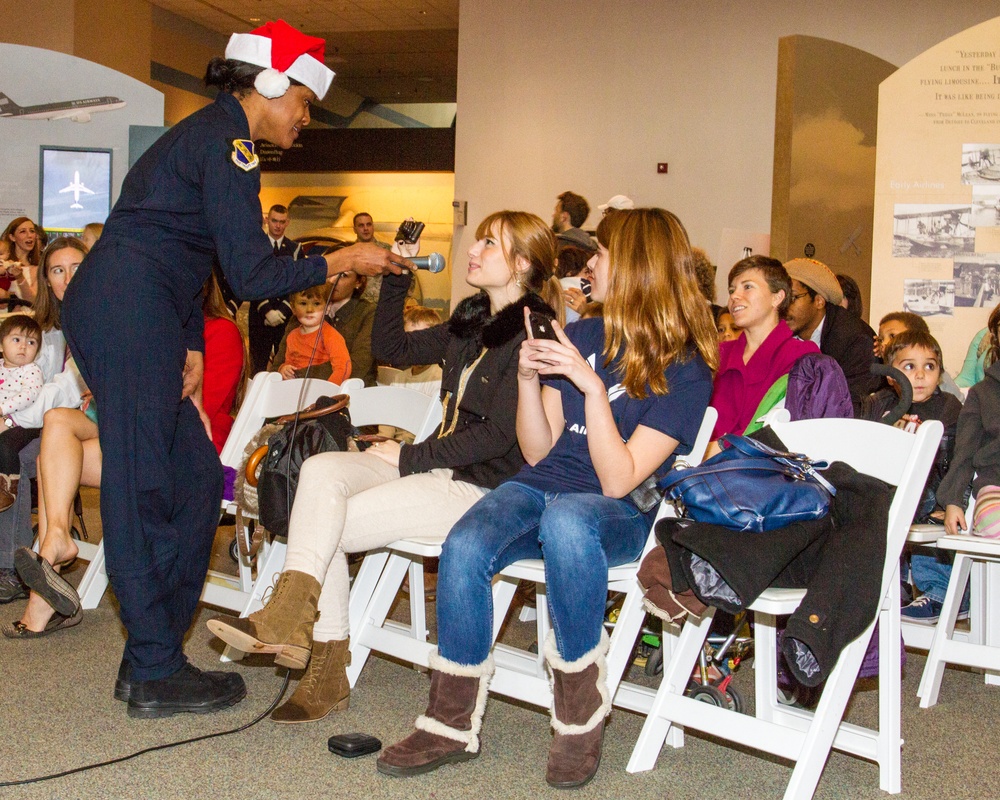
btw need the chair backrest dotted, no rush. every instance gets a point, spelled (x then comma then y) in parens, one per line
(270, 396)
(397, 406)
(703, 438)
(881, 451)
(387, 376)
(695, 458)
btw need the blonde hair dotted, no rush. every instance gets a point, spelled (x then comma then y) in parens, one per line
(421, 315)
(653, 309)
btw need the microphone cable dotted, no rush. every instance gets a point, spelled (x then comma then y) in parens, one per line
(284, 684)
(154, 748)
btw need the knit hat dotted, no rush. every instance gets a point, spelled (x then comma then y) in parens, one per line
(285, 53)
(619, 202)
(818, 277)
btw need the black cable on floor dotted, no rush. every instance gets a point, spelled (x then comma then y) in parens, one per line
(120, 759)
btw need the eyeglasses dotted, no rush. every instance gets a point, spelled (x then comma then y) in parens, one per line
(799, 296)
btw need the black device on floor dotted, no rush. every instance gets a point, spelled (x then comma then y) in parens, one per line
(352, 745)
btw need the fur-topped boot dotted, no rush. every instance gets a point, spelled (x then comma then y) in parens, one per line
(579, 705)
(284, 626)
(448, 732)
(324, 687)
(8, 490)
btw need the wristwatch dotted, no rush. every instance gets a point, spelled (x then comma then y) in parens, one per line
(9, 422)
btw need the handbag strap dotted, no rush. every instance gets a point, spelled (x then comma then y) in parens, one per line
(338, 403)
(804, 466)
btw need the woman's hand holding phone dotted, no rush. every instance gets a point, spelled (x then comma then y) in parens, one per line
(558, 356)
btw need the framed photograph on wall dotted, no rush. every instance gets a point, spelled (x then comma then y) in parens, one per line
(74, 188)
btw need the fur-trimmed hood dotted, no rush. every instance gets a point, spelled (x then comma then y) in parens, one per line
(471, 318)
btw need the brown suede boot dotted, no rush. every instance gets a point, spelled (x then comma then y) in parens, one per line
(8, 491)
(449, 730)
(284, 626)
(580, 704)
(324, 687)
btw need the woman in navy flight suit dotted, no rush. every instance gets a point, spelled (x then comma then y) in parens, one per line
(190, 200)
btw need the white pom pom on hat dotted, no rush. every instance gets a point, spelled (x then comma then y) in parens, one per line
(285, 53)
(272, 83)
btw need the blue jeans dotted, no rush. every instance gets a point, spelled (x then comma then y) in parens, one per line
(931, 578)
(578, 535)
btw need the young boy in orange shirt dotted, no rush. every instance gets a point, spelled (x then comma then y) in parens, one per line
(313, 349)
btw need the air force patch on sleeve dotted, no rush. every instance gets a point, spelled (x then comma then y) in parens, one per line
(244, 155)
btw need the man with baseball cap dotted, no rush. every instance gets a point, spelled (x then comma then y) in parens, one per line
(619, 202)
(816, 315)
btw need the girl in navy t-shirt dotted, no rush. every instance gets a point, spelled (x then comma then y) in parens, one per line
(600, 410)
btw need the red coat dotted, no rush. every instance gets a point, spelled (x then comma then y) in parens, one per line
(223, 367)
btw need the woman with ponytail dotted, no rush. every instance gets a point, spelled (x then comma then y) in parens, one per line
(190, 201)
(354, 502)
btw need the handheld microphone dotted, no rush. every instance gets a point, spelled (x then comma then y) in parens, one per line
(432, 263)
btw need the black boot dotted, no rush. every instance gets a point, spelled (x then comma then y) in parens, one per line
(189, 690)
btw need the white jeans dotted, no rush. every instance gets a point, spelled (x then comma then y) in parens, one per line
(353, 502)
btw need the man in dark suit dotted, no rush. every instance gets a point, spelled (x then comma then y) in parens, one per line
(267, 318)
(816, 315)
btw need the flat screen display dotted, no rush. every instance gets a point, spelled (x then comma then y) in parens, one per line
(74, 188)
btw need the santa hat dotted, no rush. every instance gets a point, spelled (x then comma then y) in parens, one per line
(284, 53)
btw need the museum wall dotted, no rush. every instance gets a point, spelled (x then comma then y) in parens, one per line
(937, 191)
(591, 96)
(115, 35)
(825, 131)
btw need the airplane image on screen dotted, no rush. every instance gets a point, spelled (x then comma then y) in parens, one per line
(76, 187)
(76, 110)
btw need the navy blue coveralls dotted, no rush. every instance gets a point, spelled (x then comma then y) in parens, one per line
(130, 315)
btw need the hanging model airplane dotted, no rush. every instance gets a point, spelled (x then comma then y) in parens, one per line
(76, 110)
(76, 187)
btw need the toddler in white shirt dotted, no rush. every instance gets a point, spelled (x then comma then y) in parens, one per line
(21, 382)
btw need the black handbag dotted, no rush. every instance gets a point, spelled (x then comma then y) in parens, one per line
(750, 487)
(324, 427)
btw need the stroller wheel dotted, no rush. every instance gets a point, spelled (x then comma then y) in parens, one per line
(234, 550)
(734, 700)
(708, 694)
(654, 663)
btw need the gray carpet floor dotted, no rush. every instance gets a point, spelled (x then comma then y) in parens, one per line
(60, 714)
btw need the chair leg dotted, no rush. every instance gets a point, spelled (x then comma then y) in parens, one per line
(378, 609)
(272, 564)
(930, 681)
(765, 663)
(418, 601)
(503, 595)
(829, 713)
(95, 580)
(991, 622)
(890, 689)
(676, 674)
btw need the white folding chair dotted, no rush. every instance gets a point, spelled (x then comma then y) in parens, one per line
(919, 636)
(521, 674)
(374, 405)
(267, 396)
(804, 737)
(977, 560)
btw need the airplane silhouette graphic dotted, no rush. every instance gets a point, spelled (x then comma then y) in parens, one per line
(76, 187)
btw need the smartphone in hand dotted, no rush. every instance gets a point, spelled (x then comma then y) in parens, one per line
(540, 327)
